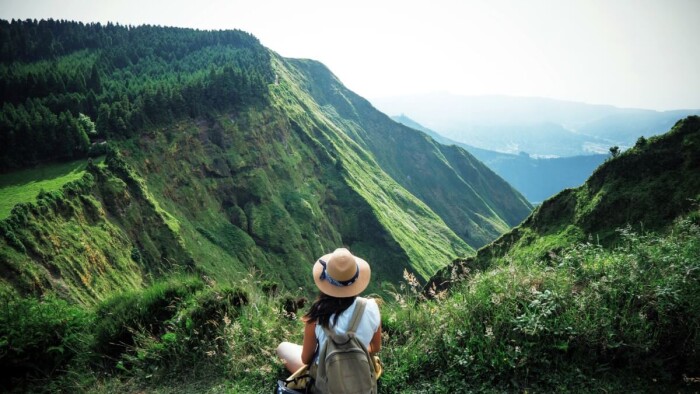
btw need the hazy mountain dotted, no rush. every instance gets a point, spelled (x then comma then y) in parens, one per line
(538, 126)
(536, 178)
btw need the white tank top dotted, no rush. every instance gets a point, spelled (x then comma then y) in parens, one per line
(369, 323)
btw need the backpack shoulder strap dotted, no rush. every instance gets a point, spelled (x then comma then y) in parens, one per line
(357, 314)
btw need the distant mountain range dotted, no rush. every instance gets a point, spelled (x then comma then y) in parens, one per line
(536, 178)
(538, 126)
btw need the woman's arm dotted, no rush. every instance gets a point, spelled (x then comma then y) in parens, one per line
(375, 345)
(309, 346)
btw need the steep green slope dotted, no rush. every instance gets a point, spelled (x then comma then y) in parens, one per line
(418, 231)
(645, 188)
(97, 235)
(473, 201)
(235, 196)
(265, 179)
(597, 289)
(257, 190)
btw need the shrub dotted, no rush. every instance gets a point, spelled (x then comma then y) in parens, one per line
(631, 311)
(269, 287)
(39, 338)
(149, 310)
(168, 328)
(210, 308)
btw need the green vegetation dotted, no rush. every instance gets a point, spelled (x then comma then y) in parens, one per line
(168, 266)
(590, 319)
(593, 318)
(645, 187)
(65, 84)
(98, 234)
(23, 186)
(407, 218)
(242, 171)
(175, 328)
(475, 203)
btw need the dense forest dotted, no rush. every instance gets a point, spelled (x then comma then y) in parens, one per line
(67, 86)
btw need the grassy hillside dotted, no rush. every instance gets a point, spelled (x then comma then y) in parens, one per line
(98, 234)
(236, 172)
(23, 186)
(644, 189)
(473, 201)
(588, 319)
(596, 290)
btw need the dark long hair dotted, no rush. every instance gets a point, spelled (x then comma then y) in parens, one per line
(325, 306)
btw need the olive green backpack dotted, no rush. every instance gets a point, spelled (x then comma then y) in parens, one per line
(344, 364)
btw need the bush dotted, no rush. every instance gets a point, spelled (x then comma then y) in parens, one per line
(167, 329)
(211, 307)
(148, 311)
(40, 338)
(629, 311)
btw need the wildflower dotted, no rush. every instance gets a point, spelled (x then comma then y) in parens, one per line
(489, 332)
(441, 295)
(410, 279)
(496, 299)
(453, 273)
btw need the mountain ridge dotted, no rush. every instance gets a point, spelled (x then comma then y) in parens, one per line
(537, 178)
(381, 136)
(282, 168)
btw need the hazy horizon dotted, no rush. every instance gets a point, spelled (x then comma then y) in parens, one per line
(628, 54)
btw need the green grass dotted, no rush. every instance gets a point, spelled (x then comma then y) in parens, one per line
(590, 319)
(424, 238)
(593, 320)
(23, 186)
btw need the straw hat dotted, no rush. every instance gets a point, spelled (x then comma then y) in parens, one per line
(340, 274)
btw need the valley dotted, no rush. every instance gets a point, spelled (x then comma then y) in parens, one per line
(536, 178)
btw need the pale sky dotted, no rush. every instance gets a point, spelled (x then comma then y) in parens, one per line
(627, 53)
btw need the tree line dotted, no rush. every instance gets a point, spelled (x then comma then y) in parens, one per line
(65, 85)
